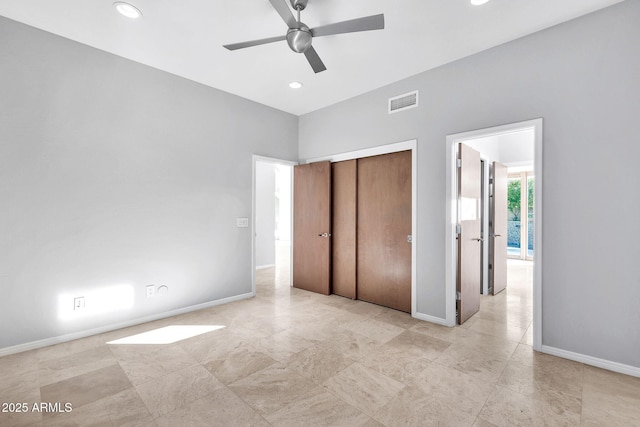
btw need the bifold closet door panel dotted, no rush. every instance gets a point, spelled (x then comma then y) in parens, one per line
(312, 227)
(383, 227)
(344, 199)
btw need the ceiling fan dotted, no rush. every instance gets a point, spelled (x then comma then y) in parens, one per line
(299, 36)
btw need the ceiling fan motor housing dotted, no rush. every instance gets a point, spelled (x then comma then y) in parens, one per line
(299, 39)
(298, 4)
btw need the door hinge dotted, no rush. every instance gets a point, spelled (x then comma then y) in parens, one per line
(459, 163)
(409, 238)
(458, 229)
(458, 296)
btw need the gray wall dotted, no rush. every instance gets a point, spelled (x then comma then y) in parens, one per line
(115, 175)
(265, 214)
(582, 78)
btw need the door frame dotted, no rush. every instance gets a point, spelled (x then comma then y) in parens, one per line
(386, 149)
(451, 215)
(255, 159)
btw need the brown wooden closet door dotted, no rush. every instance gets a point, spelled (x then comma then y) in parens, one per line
(312, 227)
(384, 223)
(343, 263)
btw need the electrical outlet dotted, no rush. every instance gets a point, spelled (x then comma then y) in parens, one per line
(242, 222)
(78, 303)
(151, 290)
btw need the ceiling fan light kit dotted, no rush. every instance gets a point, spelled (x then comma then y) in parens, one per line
(299, 37)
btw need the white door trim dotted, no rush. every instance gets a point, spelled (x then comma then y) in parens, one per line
(386, 149)
(450, 247)
(255, 159)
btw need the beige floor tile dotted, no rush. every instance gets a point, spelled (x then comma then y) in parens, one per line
(121, 409)
(319, 363)
(414, 407)
(70, 347)
(283, 345)
(528, 336)
(88, 387)
(397, 318)
(418, 345)
(373, 329)
(509, 315)
(469, 323)
(136, 329)
(351, 344)
(362, 308)
(219, 408)
(506, 330)
(166, 394)
(473, 361)
(21, 387)
(541, 372)
(396, 363)
(501, 348)
(143, 363)
(508, 408)
(238, 364)
(298, 358)
(450, 385)
(20, 363)
(317, 408)
(363, 388)
(372, 423)
(65, 367)
(19, 410)
(610, 398)
(271, 388)
(445, 333)
(218, 344)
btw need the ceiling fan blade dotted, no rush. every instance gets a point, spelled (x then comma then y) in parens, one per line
(285, 13)
(373, 22)
(314, 60)
(242, 45)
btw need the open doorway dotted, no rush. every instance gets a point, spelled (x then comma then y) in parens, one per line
(272, 220)
(517, 149)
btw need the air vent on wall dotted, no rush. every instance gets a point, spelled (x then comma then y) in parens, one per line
(403, 102)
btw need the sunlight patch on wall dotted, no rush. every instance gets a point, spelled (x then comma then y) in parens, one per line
(168, 334)
(94, 302)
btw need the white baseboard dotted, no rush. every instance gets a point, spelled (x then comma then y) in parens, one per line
(593, 361)
(108, 328)
(260, 267)
(432, 319)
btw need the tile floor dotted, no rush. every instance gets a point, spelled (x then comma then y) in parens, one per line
(293, 358)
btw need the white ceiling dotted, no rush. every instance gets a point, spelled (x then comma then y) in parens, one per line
(185, 37)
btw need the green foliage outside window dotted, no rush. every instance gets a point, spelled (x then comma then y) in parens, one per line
(513, 197)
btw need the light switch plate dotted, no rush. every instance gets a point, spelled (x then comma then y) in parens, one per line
(242, 222)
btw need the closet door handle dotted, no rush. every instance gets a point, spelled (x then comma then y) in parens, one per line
(324, 235)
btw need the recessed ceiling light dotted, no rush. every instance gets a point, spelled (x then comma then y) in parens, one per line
(127, 10)
(478, 2)
(295, 85)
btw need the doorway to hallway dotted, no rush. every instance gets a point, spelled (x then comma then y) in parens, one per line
(272, 219)
(495, 146)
